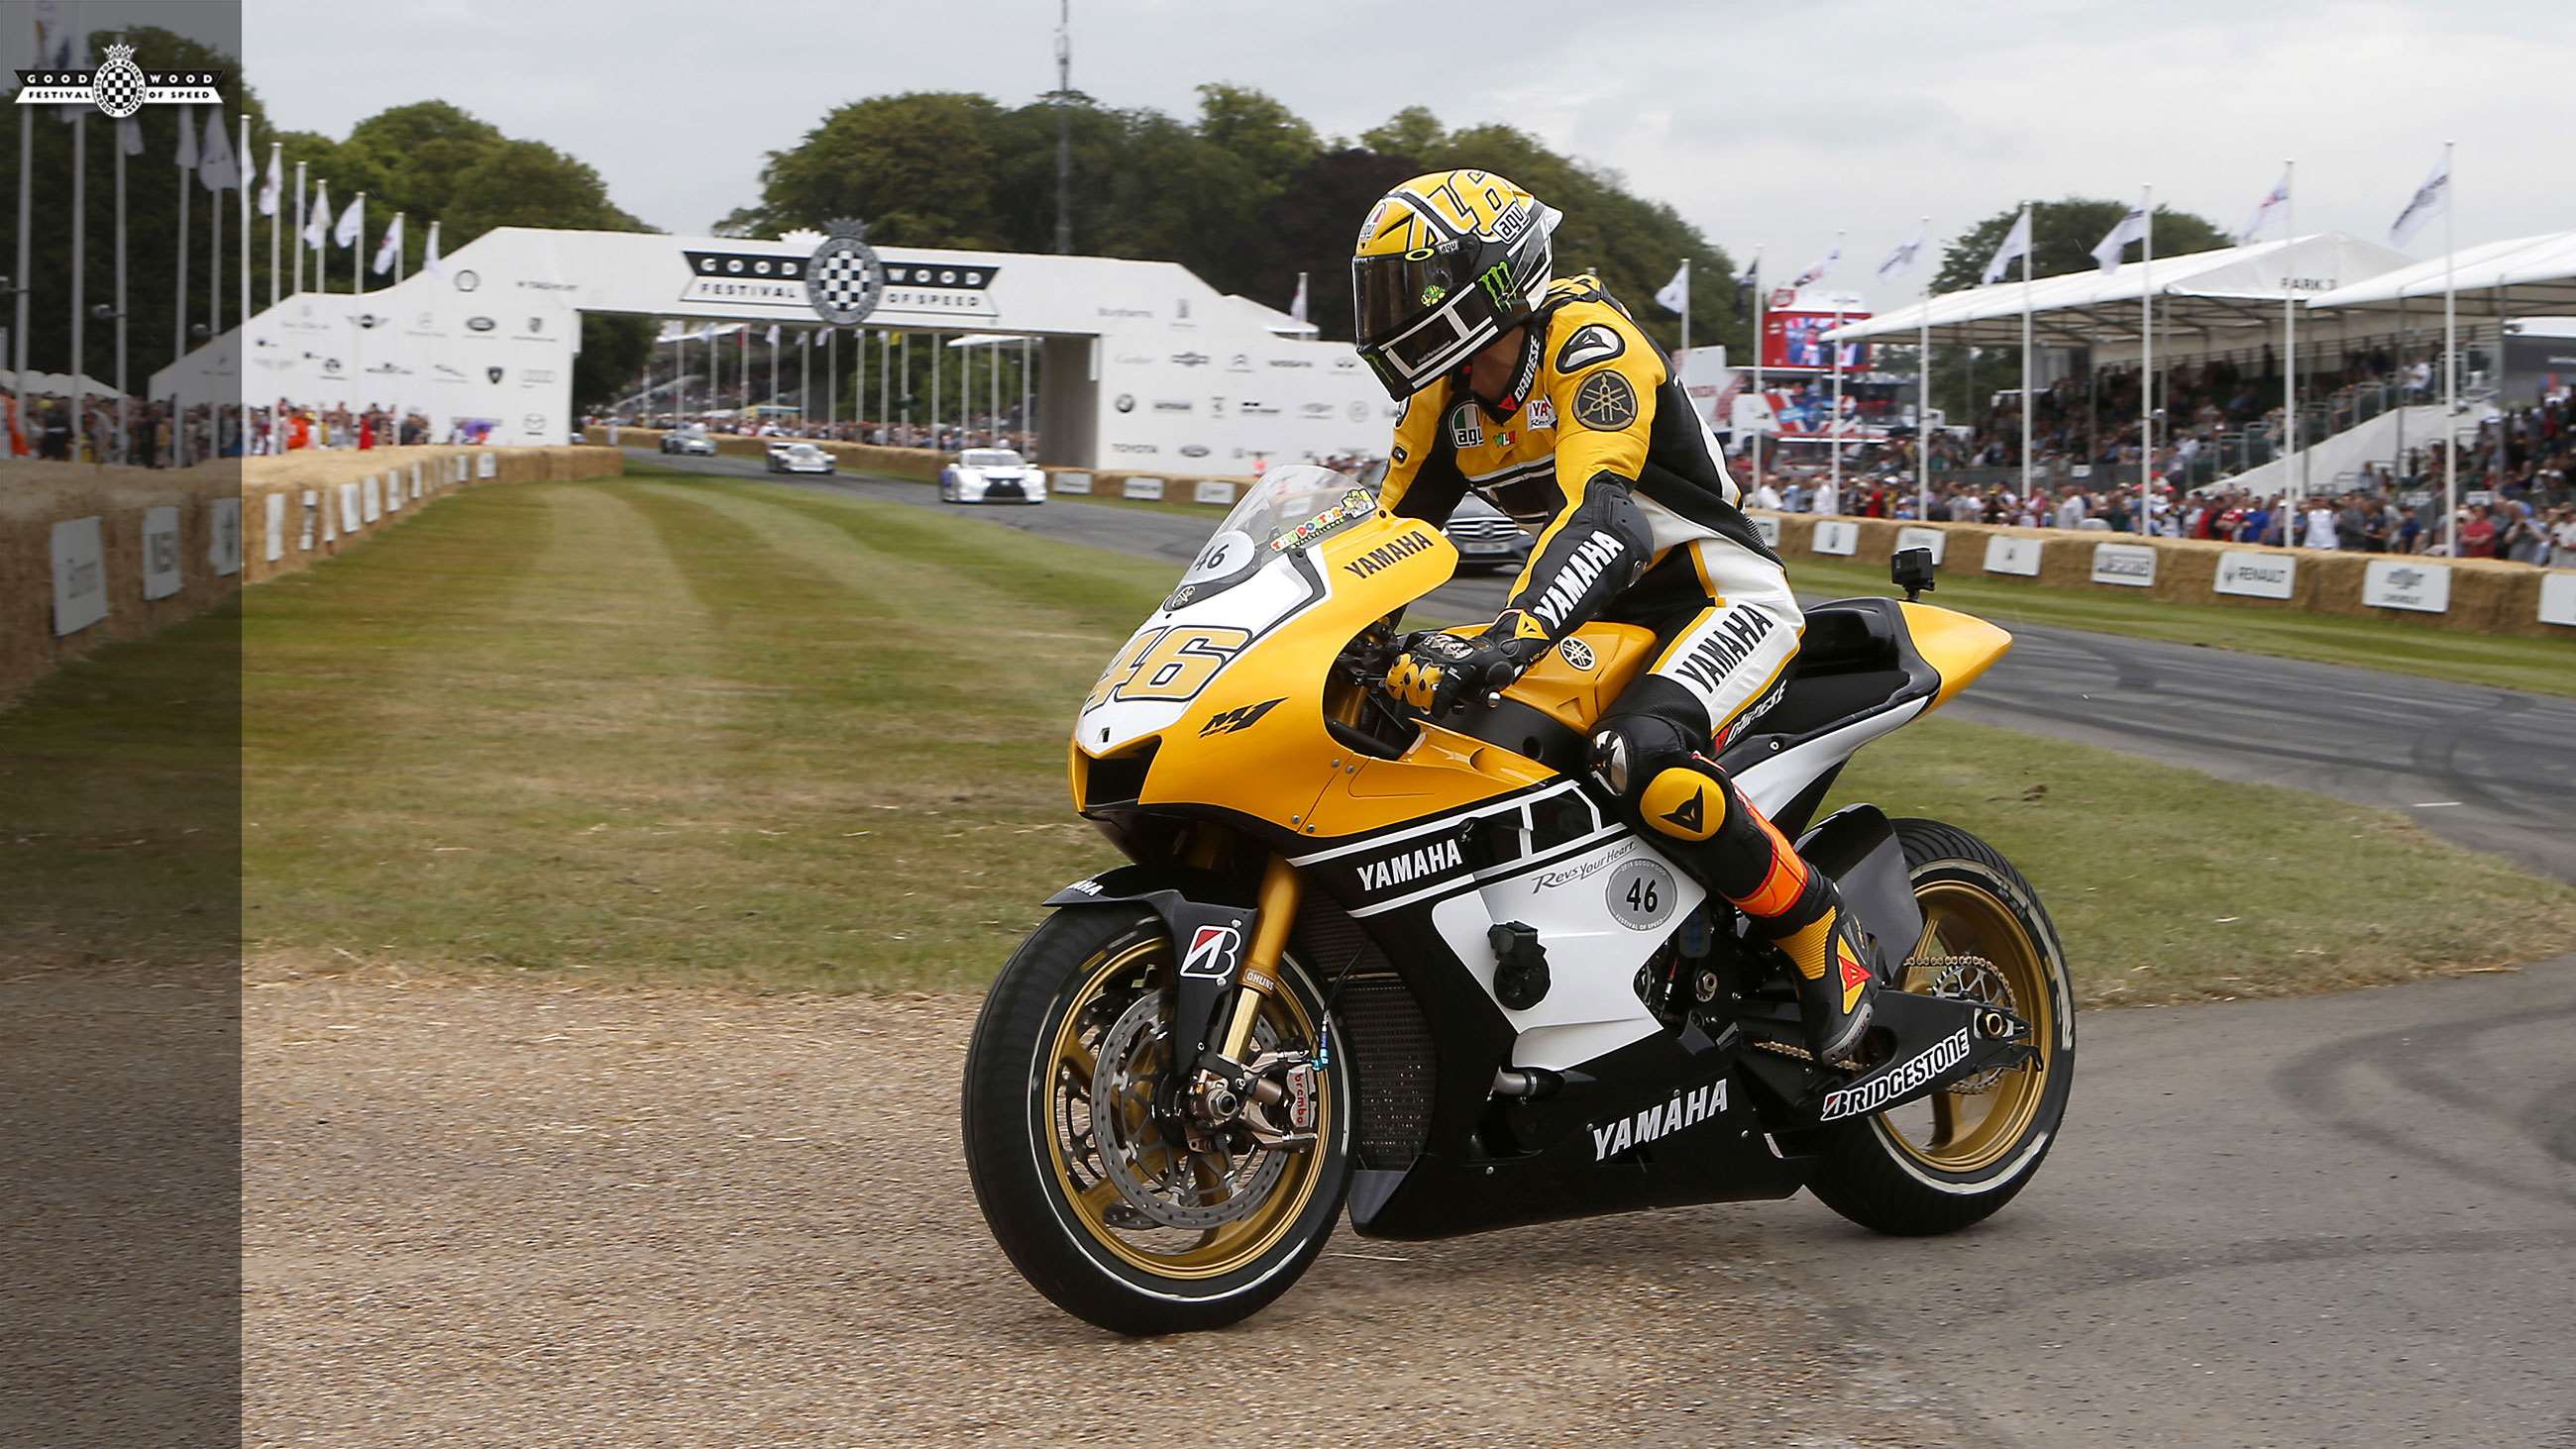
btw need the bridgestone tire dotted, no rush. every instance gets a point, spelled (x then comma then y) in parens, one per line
(1006, 1115)
(1862, 1174)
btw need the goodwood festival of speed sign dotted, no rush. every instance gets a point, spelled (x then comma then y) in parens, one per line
(119, 88)
(844, 278)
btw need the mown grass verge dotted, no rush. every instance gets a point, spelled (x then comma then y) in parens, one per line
(706, 730)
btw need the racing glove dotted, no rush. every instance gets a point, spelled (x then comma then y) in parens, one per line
(1437, 671)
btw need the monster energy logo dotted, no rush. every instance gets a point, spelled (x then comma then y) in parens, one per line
(1497, 281)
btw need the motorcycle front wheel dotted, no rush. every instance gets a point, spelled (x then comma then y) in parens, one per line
(1069, 1135)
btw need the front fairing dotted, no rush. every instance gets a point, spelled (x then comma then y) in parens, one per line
(1223, 691)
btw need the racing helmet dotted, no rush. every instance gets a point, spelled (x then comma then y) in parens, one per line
(1445, 264)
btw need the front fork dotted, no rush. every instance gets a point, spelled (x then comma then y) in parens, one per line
(1229, 1084)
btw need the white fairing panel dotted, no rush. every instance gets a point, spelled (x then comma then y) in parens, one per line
(1252, 606)
(1600, 913)
(1772, 783)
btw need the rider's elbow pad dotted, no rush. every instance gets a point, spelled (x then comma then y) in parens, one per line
(1604, 547)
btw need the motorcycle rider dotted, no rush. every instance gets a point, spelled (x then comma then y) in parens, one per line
(1541, 394)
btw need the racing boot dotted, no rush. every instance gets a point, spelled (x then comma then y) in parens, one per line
(1744, 858)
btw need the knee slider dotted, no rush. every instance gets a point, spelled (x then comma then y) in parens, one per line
(1651, 764)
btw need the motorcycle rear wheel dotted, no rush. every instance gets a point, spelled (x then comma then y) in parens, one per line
(1097, 978)
(1956, 1158)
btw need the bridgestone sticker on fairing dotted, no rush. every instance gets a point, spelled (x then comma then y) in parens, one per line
(1686, 1109)
(1866, 1097)
(1212, 953)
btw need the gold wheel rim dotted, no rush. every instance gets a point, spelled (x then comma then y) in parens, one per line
(1065, 1082)
(1970, 1132)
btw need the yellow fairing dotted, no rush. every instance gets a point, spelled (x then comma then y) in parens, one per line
(1284, 767)
(1576, 697)
(1957, 646)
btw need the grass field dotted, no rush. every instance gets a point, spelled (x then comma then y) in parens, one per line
(2507, 661)
(683, 729)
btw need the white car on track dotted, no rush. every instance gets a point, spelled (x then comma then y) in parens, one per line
(690, 440)
(800, 458)
(991, 475)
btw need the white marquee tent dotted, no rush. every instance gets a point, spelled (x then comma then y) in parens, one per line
(2492, 279)
(2206, 294)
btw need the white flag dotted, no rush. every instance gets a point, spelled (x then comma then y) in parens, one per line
(321, 211)
(2132, 227)
(70, 53)
(390, 247)
(2016, 245)
(344, 232)
(2279, 197)
(216, 168)
(804, 336)
(429, 257)
(129, 136)
(2431, 200)
(1902, 259)
(275, 185)
(773, 334)
(187, 139)
(1297, 304)
(1675, 294)
(1817, 273)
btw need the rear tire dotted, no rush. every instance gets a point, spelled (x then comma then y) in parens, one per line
(1081, 1248)
(1873, 1170)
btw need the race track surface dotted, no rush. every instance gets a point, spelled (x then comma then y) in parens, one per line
(507, 1212)
(2491, 769)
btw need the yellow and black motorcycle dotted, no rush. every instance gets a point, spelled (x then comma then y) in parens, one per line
(1418, 966)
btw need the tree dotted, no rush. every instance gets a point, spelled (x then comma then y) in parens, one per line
(2063, 236)
(918, 168)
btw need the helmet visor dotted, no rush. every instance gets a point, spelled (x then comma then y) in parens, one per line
(1421, 314)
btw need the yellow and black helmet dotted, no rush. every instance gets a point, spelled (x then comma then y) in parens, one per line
(1445, 264)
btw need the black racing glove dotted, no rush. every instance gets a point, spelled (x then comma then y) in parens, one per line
(1437, 671)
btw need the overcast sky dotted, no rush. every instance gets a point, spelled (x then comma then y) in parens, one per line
(1770, 126)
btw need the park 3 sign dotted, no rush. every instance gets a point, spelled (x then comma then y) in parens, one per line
(120, 87)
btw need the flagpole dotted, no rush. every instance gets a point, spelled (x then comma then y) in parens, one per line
(2450, 367)
(805, 380)
(241, 198)
(1834, 429)
(2290, 334)
(18, 279)
(832, 378)
(1026, 433)
(358, 249)
(214, 260)
(2030, 244)
(299, 229)
(2147, 369)
(124, 425)
(179, 313)
(275, 218)
(1762, 400)
(80, 271)
(1686, 304)
(1923, 395)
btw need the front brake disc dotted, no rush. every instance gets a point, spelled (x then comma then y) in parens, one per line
(1157, 1179)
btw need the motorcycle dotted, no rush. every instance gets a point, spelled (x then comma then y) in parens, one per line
(1420, 967)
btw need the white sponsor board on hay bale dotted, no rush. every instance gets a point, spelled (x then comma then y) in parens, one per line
(2012, 556)
(2391, 583)
(1071, 480)
(161, 576)
(1767, 528)
(2558, 597)
(80, 575)
(224, 536)
(1836, 536)
(2257, 575)
(487, 465)
(352, 516)
(371, 495)
(1146, 488)
(1937, 540)
(1213, 490)
(2129, 565)
(272, 547)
